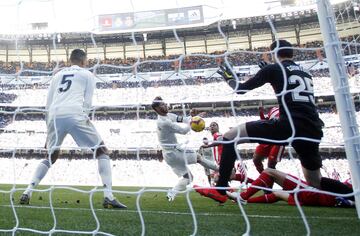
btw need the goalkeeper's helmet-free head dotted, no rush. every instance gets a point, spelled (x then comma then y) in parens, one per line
(287, 52)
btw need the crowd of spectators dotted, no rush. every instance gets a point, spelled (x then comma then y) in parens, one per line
(131, 171)
(149, 154)
(140, 134)
(4, 120)
(158, 83)
(7, 97)
(132, 114)
(167, 63)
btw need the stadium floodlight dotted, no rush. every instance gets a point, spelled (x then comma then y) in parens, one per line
(145, 37)
(356, 7)
(233, 22)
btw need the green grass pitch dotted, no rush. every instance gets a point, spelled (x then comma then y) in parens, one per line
(72, 210)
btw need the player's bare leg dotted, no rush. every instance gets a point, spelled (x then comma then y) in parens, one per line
(313, 177)
(257, 160)
(38, 175)
(271, 162)
(278, 176)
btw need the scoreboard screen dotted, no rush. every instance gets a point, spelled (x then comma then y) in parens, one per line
(288, 2)
(151, 19)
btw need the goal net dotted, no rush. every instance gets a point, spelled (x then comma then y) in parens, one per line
(138, 51)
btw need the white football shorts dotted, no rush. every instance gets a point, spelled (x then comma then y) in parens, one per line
(78, 126)
(178, 158)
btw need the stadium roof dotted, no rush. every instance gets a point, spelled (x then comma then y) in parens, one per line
(50, 16)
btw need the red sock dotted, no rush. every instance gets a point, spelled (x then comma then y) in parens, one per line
(267, 198)
(264, 180)
(290, 182)
(241, 178)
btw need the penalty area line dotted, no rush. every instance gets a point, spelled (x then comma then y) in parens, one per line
(181, 213)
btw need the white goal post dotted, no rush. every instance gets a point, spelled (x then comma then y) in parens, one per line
(343, 98)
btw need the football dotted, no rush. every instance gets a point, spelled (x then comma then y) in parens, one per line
(197, 124)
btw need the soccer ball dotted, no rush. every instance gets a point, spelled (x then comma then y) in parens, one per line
(197, 124)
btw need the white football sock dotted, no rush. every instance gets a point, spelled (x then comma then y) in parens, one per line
(208, 164)
(181, 185)
(39, 174)
(105, 174)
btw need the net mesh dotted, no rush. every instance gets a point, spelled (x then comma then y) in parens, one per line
(126, 85)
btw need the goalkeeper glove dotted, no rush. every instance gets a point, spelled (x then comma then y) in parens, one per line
(226, 73)
(262, 64)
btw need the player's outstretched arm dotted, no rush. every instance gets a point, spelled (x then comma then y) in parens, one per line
(214, 143)
(226, 72)
(261, 77)
(176, 128)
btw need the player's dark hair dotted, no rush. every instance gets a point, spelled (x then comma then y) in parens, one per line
(215, 123)
(77, 56)
(284, 53)
(156, 102)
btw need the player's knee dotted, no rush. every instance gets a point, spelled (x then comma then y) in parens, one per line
(235, 132)
(314, 182)
(187, 176)
(101, 151)
(54, 156)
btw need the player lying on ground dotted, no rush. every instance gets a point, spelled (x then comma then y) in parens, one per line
(287, 182)
(298, 98)
(169, 124)
(68, 101)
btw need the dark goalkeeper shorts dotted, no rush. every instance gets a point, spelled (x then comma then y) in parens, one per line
(280, 130)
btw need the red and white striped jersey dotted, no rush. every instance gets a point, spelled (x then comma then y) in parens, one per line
(274, 113)
(217, 149)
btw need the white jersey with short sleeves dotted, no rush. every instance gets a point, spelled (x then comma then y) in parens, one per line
(168, 126)
(70, 92)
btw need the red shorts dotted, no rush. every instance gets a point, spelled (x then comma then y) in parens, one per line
(273, 152)
(306, 198)
(312, 199)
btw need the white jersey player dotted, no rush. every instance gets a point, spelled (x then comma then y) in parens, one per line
(169, 124)
(208, 154)
(69, 99)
